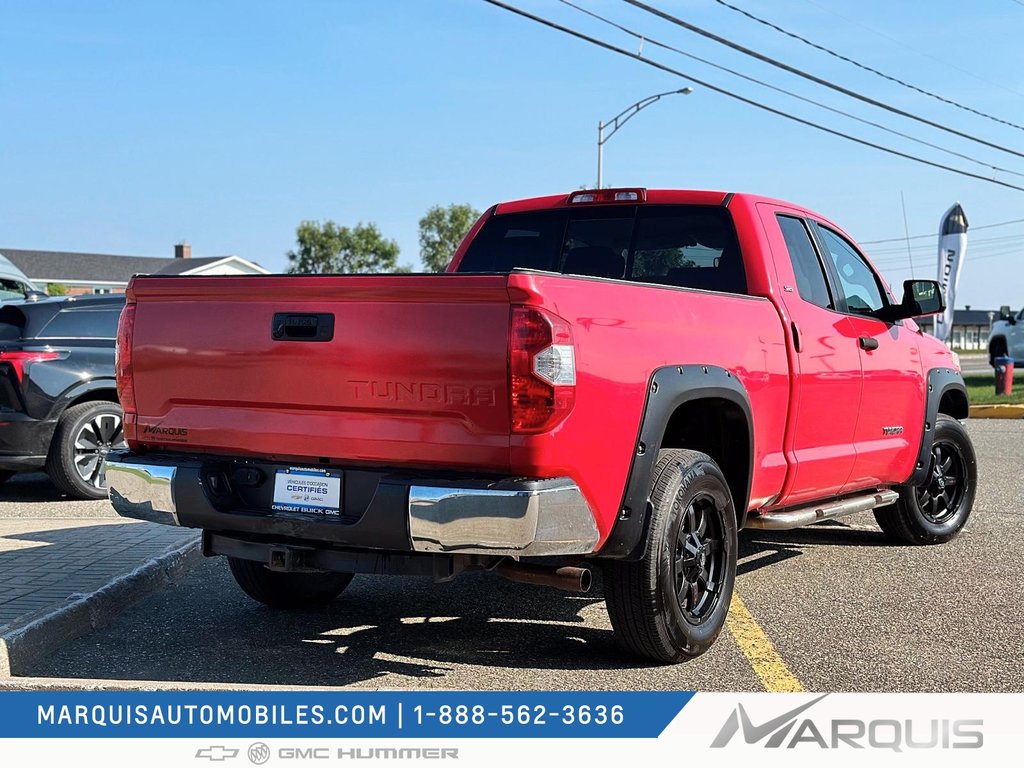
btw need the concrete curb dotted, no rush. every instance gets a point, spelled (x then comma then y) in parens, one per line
(997, 411)
(39, 634)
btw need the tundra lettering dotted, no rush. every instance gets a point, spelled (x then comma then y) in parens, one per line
(414, 392)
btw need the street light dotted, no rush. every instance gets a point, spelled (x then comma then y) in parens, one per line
(620, 120)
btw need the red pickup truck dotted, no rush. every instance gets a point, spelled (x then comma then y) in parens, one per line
(615, 378)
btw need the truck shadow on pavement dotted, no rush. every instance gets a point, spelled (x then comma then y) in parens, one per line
(759, 549)
(478, 631)
(205, 629)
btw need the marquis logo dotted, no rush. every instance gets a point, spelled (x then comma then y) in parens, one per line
(789, 731)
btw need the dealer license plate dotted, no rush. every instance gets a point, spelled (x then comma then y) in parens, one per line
(298, 489)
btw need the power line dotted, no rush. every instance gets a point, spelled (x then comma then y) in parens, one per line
(933, 234)
(865, 67)
(814, 78)
(743, 99)
(900, 263)
(644, 39)
(918, 51)
(981, 242)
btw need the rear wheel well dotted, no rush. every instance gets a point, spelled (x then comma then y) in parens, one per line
(954, 403)
(94, 395)
(719, 428)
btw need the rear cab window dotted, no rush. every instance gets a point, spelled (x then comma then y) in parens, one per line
(811, 279)
(686, 246)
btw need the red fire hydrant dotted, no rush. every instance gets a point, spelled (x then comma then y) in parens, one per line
(1004, 375)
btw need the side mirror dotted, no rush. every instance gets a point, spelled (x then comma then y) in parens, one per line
(1006, 315)
(920, 297)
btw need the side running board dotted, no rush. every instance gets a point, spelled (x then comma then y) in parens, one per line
(795, 518)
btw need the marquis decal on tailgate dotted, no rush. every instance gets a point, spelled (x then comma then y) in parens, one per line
(168, 434)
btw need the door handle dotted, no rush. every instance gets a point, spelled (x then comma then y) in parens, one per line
(866, 342)
(302, 326)
(799, 347)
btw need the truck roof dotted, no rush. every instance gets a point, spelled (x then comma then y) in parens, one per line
(657, 196)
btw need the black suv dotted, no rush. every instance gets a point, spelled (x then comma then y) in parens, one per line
(58, 401)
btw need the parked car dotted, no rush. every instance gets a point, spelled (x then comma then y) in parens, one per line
(58, 400)
(1007, 337)
(615, 378)
(14, 284)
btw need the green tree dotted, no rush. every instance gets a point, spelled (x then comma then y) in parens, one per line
(441, 231)
(56, 289)
(326, 248)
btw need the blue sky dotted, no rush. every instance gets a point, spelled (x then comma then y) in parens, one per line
(127, 127)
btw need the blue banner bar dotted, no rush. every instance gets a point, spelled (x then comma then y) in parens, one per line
(338, 714)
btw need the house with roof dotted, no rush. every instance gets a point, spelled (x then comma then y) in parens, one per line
(81, 273)
(970, 328)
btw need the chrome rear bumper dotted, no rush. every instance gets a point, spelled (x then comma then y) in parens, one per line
(142, 491)
(551, 518)
(474, 517)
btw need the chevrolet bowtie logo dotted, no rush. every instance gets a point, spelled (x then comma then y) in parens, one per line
(216, 753)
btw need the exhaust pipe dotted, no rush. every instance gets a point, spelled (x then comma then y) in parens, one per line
(567, 578)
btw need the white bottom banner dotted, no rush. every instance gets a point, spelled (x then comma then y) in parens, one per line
(737, 728)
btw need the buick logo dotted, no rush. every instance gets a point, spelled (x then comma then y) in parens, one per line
(259, 753)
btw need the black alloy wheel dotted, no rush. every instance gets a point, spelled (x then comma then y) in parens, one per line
(699, 562)
(935, 510)
(941, 494)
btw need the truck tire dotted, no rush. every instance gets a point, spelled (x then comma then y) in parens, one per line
(671, 605)
(287, 590)
(935, 511)
(77, 460)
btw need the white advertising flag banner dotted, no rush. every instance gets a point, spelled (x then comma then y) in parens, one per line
(952, 248)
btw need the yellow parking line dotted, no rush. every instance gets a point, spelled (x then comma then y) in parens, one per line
(775, 676)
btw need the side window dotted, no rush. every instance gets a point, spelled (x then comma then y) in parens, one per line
(83, 324)
(810, 275)
(856, 279)
(11, 289)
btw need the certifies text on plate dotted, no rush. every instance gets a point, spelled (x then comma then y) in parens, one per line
(298, 489)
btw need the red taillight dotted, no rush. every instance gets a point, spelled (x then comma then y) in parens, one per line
(542, 366)
(19, 361)
(123, 358)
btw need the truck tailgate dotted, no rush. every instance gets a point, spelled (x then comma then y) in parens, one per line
(232, 365)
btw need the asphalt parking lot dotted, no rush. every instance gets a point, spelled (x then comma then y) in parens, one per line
(836, 606)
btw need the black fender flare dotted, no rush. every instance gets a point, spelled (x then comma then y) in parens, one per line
(669, 388)
(941, 381)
